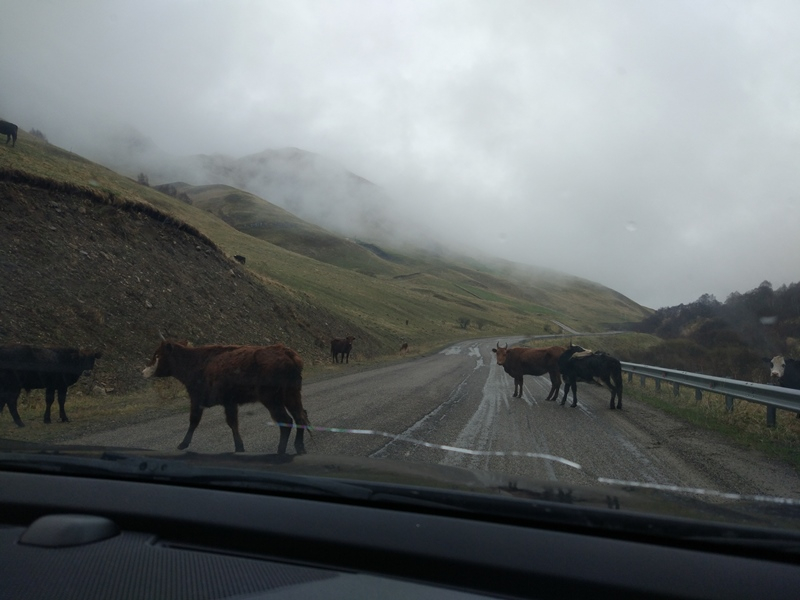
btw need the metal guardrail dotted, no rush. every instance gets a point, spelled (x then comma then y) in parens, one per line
(771, 396)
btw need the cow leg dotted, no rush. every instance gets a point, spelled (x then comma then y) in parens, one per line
(10, 398)
(195, 414)
(232, 419)
(573, 384)
(49, 397)
(62, 398)
(517, 386)
(611, 386)
(284, 421)
(616, 391)
(555, 386)
(300, 416)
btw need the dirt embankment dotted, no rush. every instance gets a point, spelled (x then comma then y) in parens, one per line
(81, 269)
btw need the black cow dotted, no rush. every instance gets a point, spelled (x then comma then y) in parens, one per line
(240, 258)
(786, 371)
(24, 367)
(10, 131)
(343, 347)
(588, 367)
(234, 375)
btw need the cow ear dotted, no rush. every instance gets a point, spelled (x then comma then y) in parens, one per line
(494, 349)
(98, 354)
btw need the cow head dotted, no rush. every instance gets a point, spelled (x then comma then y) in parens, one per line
(777, 365)
(158, 367)
(501, 353)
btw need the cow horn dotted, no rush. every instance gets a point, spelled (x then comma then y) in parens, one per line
(161, 335)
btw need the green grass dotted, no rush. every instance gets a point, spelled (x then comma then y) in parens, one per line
(93, 412)
(746, 425)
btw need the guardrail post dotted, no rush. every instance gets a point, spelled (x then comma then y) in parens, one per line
(771, 397)
(642, 380)
(729, 403)
(771, 416)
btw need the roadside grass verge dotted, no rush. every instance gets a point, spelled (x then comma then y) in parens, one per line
(95, 412)
(621, 346)
(745, 425)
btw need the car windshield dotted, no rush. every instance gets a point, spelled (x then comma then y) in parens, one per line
(530, 251)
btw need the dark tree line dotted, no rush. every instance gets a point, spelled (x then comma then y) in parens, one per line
(728, 338)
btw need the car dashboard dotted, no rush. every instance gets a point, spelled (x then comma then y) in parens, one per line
(87, 537)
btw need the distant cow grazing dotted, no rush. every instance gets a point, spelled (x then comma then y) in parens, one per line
(234, 375)
(343, 347)
(24, 367)
(240, 258)
(588, 367)
(404, 348)
(531, 361)
(10, 131)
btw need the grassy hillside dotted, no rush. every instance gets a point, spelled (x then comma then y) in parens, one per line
(91, 258)
(258, 218)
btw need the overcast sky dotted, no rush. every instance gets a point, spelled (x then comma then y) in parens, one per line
(651, 146)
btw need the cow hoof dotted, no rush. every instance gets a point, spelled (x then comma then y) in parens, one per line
(573, 405)
(47, 421)
(183, 446)
(19, 424)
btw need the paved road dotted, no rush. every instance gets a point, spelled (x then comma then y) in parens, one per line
(460, 397)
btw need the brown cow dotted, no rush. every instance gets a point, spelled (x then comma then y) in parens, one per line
(234, 375)
(404, 348)
(343, 347)
(531, 361)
